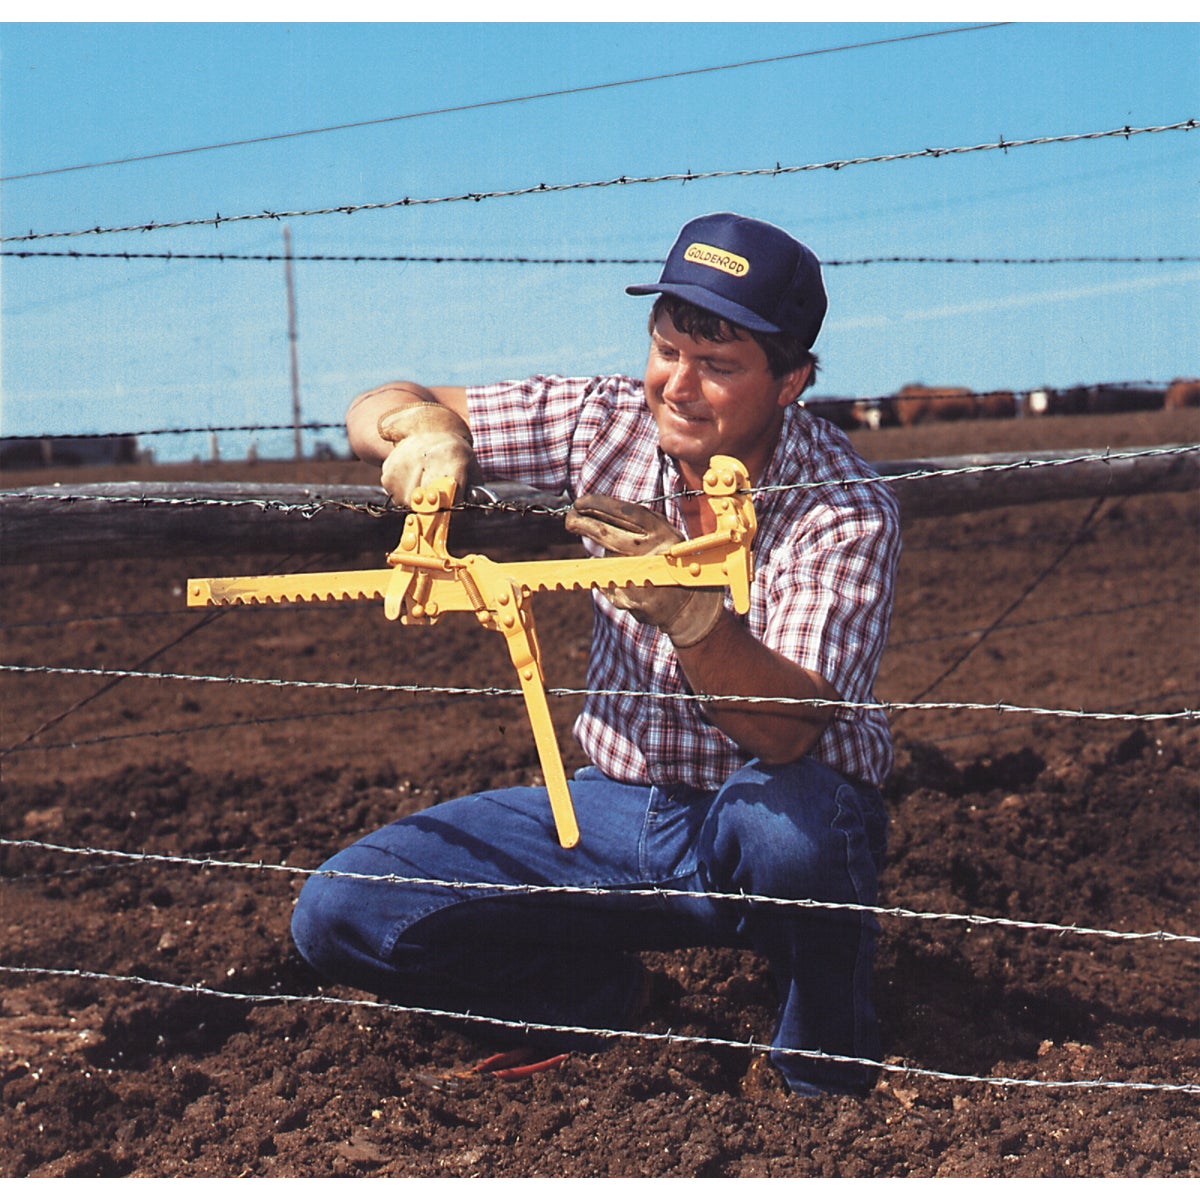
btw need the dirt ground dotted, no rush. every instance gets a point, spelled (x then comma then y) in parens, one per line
(1048, 819)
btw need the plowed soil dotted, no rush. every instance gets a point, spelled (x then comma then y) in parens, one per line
(1048, 819)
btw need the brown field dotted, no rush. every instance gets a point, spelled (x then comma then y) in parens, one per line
(1048, 819)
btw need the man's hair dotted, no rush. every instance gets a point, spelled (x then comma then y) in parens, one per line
(784, 352)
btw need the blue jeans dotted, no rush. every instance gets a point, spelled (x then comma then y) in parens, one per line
(794, 831)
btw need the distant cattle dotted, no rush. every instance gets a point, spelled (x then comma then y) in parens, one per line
(872, 414)
(1182, 393)
(1117, 399)
(1103, 398)
(915, 402)
(842, 411)
(995, 404)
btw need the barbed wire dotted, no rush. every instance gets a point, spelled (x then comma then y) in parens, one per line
(325, 714)
(585, 261)
(808, 402)
(983, 260)
(837, 706)
(1158, 935)
(310, 508)
(668, 1038)
(840, 708)
(321, 426)
(1105, 456)
(543, 189)
(50, 722)
(79, 743)
(305, 427)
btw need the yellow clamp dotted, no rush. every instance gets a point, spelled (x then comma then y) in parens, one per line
(423, 581)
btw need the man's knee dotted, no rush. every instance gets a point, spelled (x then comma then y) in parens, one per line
(791, 831)
(318, 923)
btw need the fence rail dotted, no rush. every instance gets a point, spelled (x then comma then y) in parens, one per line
(187, 519)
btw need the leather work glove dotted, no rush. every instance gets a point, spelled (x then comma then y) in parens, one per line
(430, 441)
(685, 615)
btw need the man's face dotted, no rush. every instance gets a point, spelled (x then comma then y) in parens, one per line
(715, 398)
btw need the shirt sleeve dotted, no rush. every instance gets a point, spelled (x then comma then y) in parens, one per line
(535, 430)
(829, 598)
(568, 435)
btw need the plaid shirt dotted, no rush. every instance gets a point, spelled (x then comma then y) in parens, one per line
(824, 557)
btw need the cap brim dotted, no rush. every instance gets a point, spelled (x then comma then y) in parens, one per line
(703, 298)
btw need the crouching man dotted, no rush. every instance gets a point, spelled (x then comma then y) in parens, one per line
(720, 796)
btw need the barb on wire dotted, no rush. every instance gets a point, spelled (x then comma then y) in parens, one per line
(668, 1038)
(302, 508)
(620, 180)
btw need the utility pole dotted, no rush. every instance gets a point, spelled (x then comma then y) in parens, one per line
(297, 448)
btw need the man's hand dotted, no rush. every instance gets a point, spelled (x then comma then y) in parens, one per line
(429, 442)
(686, 615)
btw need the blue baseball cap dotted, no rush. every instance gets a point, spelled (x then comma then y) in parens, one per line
(749, 272)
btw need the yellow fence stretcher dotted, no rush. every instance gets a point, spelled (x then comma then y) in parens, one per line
(423, 581)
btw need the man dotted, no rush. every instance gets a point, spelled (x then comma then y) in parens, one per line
(713, 796)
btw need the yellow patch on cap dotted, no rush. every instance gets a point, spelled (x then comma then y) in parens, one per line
(720, 260)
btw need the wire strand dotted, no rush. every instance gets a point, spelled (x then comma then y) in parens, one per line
(544, 189)
(588, 261)
(1018, 600)
(821, 401)
(1158, 935)
(837, 706)
(481, 104)
(669, 1038)
(310, 508)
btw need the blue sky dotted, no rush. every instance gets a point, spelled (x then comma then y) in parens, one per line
(100, 345)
